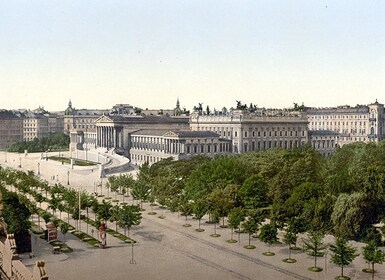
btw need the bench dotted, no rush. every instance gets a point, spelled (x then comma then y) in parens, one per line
(56, 249)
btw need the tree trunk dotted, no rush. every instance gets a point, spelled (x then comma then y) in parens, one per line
(199, 224)
(373, 271)
(342, 271)
(231, 234)
(289, 252)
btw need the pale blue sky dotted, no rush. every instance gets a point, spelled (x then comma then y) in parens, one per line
(148, 53)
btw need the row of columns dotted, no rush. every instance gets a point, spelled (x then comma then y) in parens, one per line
(109, 137)
(171, 146)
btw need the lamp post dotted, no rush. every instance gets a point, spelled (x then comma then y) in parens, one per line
(20, 162)
(5, 156)
(38, 168)
(68, 177)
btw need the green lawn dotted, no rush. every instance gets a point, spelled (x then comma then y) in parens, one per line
(78, 162)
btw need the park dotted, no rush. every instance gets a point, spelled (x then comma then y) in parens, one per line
(186, 238)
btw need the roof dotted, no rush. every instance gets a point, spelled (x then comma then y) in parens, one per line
(5, 114)
(177, 133)
(148, 119)
(323, 132)
(338, 110)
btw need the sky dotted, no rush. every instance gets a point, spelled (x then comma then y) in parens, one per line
(148, 53)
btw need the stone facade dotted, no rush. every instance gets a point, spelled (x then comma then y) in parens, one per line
(324, 141)
(154, 145)
(254, 132)
(113, 132)
(81, 119)
(11, 128)
(35, 126)
(363, 123)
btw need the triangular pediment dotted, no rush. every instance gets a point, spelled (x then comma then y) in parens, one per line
(104, 119)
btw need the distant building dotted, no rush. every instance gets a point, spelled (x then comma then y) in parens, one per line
(81, 119)
(154, 145)
(324, 141)
(113, 132)
(11, 128)
(255, 131)
(362, 123)
(34, 126)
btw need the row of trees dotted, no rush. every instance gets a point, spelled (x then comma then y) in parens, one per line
(54, 142)
(33, 192)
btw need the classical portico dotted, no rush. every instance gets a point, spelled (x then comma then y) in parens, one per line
(109, 136)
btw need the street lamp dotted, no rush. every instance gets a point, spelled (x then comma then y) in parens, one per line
(38, 168)
(68, 177)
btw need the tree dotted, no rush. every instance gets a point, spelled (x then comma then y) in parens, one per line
(142, 187)
(199, 210)
(104, 210)
(253, 193)
(39, 198)
(372, 255)
(347, 216)
(129, 215)
(46, 217)
(64, 227)
(343, 254)
(185, 208)
(221, 201)
(290, 238)
(54, 203)
(315, 247)
(235, 218)
(16, 215)
(250, 226)
(268, 235)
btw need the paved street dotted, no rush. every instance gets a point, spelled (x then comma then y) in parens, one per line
(166, 249)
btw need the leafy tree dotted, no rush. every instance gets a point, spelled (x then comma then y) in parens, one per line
(185, 208)
(268, 235)
(129, 215)
(347, 215)
(250, 226)
(103, 210)
(254, 192)
(221, 201)
(64, 227)
(372, 255)
(115, 216)
(54, 203)
(290, 238)
(16, 215)
(235, 218)
(297, 225)
(142, 187)
(199, 209)
(46, 217)
(315, 247)
(343, 253)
